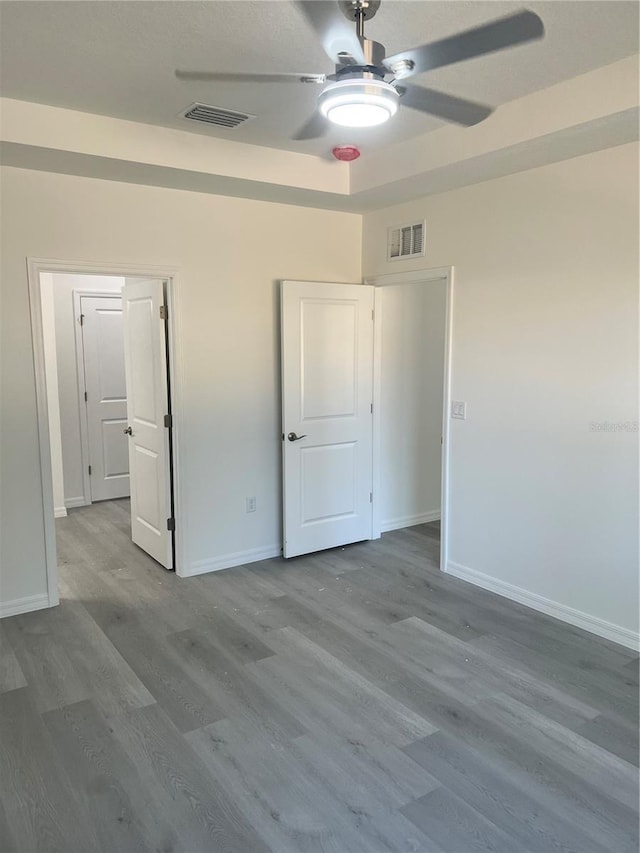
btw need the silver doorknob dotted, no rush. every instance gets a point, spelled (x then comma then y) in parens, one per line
(293, 437)
(128, 431)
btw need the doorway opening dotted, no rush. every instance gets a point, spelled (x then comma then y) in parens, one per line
(366, 376)
(103, 350)
(412, 375)
(86, 388)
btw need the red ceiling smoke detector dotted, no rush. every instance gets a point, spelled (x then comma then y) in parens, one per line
(346, 153)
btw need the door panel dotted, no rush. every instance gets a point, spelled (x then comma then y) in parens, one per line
(115, 449)
(328, 476)
(106, 395)
(147, 498)
(327, 378)
(329, 364)
(149, 443)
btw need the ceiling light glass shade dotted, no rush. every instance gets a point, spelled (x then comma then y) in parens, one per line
(358, 103)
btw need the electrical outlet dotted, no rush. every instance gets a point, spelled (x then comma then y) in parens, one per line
(251, 504)
(459, 410)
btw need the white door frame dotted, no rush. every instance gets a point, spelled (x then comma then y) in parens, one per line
(415, 277)
(36, 266)
(82, 406)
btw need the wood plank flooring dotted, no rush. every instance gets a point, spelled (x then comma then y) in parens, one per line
(354, 700)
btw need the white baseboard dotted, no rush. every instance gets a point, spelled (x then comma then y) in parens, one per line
(71, 503)
(228, 561)
(409, 520)
(23, 605)
(594, 624)
(60, 512)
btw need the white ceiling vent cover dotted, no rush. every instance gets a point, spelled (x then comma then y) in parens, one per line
(215, 115)
(406, 241)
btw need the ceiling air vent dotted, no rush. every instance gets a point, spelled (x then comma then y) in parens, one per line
(406, 241)
(215, 115)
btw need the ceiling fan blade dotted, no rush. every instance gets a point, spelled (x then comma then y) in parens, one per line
(515, 29)
(336, 34)
(313, 128)
(224, 77)
(444, 106)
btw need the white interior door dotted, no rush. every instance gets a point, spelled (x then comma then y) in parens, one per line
(147, 404)
(105, 396)
(327, 393)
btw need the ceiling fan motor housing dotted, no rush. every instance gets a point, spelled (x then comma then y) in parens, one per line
(374, 53)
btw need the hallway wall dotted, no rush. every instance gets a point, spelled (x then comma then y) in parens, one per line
(412, 360)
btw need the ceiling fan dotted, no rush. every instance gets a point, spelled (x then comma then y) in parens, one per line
(357, 94)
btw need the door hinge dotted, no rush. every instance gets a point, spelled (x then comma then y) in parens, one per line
(168, 421)
(89, 470)
(370, 497)
(171, 524)
(372, 408)
(81, 318)
(164, 313)
(373, 314)
(86, 397)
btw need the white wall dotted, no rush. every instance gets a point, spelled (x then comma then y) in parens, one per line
(412, 366)
(545, 344)
(230, 254)
(53, 403)
(70, 412)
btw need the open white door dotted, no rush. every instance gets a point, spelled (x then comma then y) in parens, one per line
(105, 395)
(145, 349)
(327, 393)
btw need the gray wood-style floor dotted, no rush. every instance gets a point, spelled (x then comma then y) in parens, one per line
(353, 700)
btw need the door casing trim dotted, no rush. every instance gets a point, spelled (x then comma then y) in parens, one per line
(36, 266)
(422, 276)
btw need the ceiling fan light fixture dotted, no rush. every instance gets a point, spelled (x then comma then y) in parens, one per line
(358, 103)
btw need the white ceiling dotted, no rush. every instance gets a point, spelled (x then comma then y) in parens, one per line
(118, 58)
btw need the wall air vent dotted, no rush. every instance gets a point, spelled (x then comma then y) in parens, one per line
(215, 115)
(406, 241)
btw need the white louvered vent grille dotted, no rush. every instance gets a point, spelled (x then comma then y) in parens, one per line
(215, 115)
(406, 241)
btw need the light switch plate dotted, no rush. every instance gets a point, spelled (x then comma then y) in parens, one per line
(459, 409)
